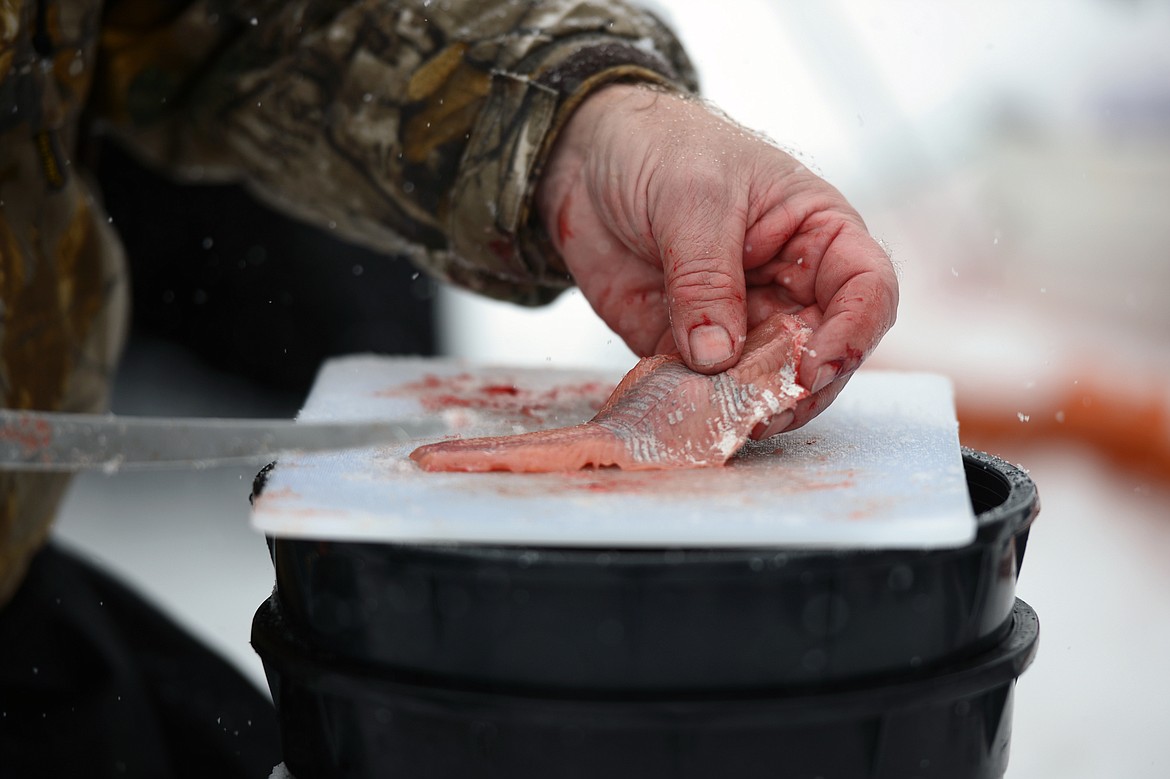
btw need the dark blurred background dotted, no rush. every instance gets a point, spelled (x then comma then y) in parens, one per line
(250, 291)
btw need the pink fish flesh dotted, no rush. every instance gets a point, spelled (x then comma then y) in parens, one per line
(661, 415)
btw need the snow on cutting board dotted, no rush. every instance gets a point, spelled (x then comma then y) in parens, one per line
(880, 468)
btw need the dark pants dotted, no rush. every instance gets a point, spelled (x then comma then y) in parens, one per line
(96, 682)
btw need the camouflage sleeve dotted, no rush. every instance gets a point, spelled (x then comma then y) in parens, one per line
(417, 126)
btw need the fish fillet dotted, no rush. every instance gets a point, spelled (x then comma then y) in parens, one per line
(661, 415)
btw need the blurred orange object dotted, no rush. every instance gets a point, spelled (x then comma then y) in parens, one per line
(1131, 430)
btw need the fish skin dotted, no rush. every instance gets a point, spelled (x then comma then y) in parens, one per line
(661, 415)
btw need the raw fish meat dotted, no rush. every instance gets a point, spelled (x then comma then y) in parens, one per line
(661, 415)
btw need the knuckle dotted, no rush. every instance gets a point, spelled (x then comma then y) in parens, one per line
(700, 279)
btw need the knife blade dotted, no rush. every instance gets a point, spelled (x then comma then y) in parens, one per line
(45, 441)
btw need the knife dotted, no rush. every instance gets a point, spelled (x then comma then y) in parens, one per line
(45, 441)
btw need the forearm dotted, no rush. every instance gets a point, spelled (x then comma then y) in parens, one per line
(402, 126)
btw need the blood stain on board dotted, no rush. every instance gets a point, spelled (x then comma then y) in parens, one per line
(871, 508)
(609, 486)
(33, 435)
(501, 389)
(437, 394)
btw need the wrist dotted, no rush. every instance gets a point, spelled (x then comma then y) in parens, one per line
(587, 132)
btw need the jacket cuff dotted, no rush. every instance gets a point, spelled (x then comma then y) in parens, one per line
(498, 247)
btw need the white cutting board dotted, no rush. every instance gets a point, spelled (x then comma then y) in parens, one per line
(880, 468)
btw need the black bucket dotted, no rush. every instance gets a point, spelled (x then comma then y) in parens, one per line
(471, 661)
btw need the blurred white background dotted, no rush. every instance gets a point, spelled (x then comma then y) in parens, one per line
(1015, 158)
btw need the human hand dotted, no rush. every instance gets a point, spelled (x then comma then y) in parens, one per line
(684, 230)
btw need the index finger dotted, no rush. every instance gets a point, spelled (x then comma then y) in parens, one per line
(857, 291)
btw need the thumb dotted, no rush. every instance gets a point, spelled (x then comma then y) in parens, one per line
(706, 298)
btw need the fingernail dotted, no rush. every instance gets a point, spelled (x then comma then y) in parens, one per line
(824, 377)
(710, 345)
(780, 423)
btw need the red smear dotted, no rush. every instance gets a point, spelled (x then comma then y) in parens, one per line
(871, 508)
(607, 481)
(33, 435)
(606, 487)
(444, 401)
(853, 358)
(636, 299)
(465, 391)
(501, 389)
(501, 248)
(564, 231)
(599, 482)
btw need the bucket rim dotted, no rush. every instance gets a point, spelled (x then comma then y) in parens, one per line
(283, 653)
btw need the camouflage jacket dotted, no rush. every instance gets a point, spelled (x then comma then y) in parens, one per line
(415, 126)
